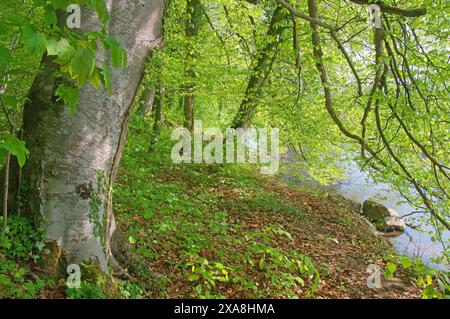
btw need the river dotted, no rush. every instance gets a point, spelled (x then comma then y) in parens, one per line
(358, 187)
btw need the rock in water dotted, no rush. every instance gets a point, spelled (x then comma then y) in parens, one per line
(385, 219)
(394, 222)
(374, 211)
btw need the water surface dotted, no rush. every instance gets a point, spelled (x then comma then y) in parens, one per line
(359, 187)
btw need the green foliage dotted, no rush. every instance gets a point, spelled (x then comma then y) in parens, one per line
(28, 30)
(435, 284)
(271, 202)
(74, 52)
(186, 223)
(412, 113)
(82, 65)
(93, 284)
(57, 47)
(88, 290)
(21, 244)
(16, 147)
(69, 95)
(33, 39)
(131, 290)
(391, 268)
(4, 56)
(406, 262)
(19, 282)
(119, 56)
(185, 217)
(207, 275)
(21, 240)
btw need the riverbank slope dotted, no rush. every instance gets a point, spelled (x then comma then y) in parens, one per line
(217, 231)
(226, 231)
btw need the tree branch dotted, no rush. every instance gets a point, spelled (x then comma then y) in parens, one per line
(303, 16)
(415, 12)
(314, 20)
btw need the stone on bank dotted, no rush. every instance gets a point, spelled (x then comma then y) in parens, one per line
(385, 219)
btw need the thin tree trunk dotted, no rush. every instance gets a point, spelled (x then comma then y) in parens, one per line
(193, 13)
(159, 106)
(6, 193)
(148, 98)
(74, 157)
(189, 109)
(261, 70)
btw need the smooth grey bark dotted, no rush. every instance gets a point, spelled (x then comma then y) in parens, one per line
(74, 157)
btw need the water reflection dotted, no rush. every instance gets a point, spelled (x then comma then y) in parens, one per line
(359, 187)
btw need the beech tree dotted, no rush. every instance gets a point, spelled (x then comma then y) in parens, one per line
(194, 11)
(74, 155)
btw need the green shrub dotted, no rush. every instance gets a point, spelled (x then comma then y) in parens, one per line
(21, 240)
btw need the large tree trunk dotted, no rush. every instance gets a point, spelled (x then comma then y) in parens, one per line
(74, 157)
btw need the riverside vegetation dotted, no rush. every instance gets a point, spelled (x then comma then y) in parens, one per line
(87, 114)
(265, 239)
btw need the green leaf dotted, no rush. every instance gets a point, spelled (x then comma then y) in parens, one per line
(82, 65)
(96, 78)
(406, 263)
(60, 4)
(102, 11)
(132, 240)
(4, 56)
(429, 292)
(193, 277)
(55, 47)
(107, 77)
(118, 55)
(9, 100)
(33, 39)
(199, 289)
(261, 263)
(13, 19)
(50, 16)
(391, 267)
(16, 147)
(69, 95)
(4, 280)
(316, 282)
(148, 213)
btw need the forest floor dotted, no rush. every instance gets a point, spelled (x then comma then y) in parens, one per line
(225, 231)
(242, 226)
